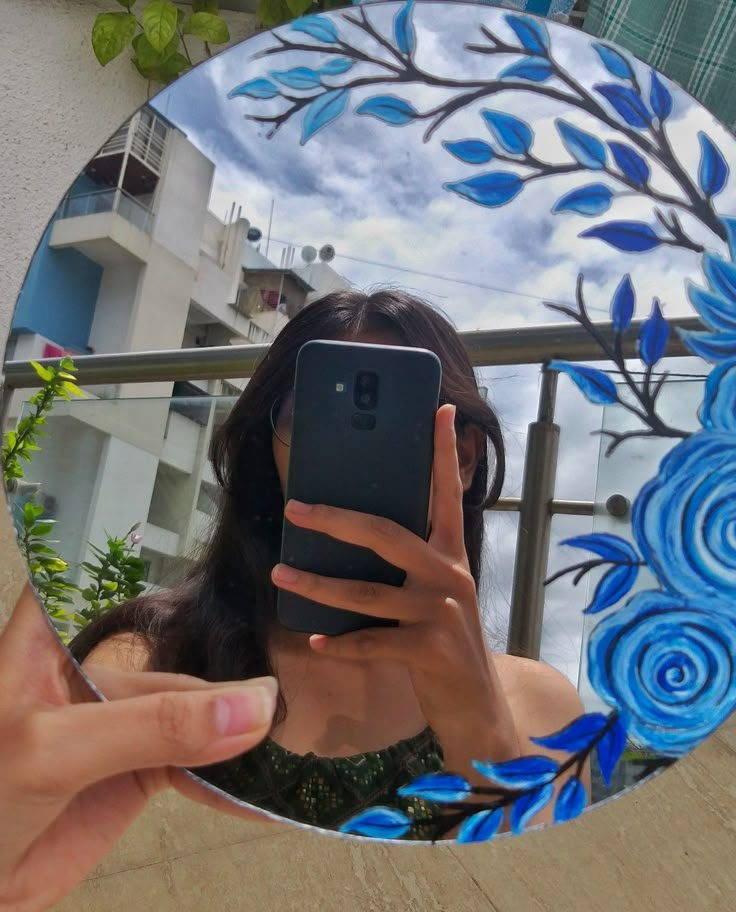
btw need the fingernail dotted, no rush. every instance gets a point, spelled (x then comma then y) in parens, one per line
(246, 709)
(296, 506)
(285, 573)
(318, 641)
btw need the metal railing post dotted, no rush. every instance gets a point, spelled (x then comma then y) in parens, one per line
(535, 518)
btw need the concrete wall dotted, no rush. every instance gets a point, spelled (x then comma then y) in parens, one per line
(668, 845)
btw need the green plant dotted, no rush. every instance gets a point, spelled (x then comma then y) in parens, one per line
(115, 576)
(158, 36)
(46, 568)
(20, 444)
(271, 13)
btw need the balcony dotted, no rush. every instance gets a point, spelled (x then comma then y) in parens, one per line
(108, 226)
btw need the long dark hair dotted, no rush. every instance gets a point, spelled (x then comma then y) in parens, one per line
(216, 625)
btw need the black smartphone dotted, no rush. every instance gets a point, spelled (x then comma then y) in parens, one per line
(362, 438)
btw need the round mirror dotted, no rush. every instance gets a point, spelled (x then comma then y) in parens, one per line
(545, 215)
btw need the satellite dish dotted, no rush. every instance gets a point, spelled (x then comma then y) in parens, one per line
(309, 254)
(254, 234)
(327, 253)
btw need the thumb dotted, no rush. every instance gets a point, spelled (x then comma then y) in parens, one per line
(88, 742)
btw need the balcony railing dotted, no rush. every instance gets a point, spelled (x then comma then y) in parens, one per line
(529, 345)
(147, 142)
(111, 200)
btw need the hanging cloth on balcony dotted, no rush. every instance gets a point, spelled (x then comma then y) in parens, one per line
(691, 41)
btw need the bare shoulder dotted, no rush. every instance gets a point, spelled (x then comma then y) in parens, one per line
(122, 652)
(542, 699)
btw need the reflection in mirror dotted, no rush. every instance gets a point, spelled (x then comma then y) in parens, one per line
(567, 209)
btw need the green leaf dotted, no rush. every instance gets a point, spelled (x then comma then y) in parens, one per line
(31, 512)
(45, 373)
(10, 439)
(273, 12)
(109, 586)
(56, 565)
(42, 528)
(111, 34)
(298, 7)
(205, 6)
(67, 364)
(159, 23)
(208, 27)
(166, 72)
(148, 57)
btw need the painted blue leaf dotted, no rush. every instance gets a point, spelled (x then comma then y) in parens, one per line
(607, 546)
(710, 346)
(532, 70)
(577, 736)
(471, 151)
(389, 109)
(630, 162)
(721, 275)
(631, 237)
(571, 800)
(610, 748)
(255, 88)
(481, 826)
(511, 133)
(622, 304)
(494, 189)
(660, 98)
(525, 807)
(298, 78)
(520, 773)
(713, 172)
(612, 587)
(614, 61)
(317, 27)
(730, 225)
(322, 111)
(596, 386)
(653, 336)
(437, 787)
(594, 199)
(626, 103)
(531, 33)
(717, 312)
(336, 67)
(381, 822)
(586, 149)
(404, 28)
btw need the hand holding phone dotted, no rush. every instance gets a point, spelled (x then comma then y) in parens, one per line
(361, 439)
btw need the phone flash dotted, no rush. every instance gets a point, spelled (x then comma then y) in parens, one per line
(339, 387)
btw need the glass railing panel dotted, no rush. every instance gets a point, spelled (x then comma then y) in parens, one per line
(107, 465)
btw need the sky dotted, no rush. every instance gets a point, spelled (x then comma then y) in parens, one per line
(375, 192)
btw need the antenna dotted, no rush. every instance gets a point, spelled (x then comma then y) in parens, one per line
(327, 253)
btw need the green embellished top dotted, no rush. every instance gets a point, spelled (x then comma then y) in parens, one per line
(327, 791)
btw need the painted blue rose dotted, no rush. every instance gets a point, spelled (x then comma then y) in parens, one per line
(719, 402)
(684, 519)
(666, 662)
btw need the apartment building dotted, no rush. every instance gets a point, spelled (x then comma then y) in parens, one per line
(133, 260)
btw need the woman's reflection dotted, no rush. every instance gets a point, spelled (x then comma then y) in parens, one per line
(364, 713)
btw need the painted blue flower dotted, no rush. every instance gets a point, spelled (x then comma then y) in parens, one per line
(667, 663)
(684, 519)
(719, 403)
